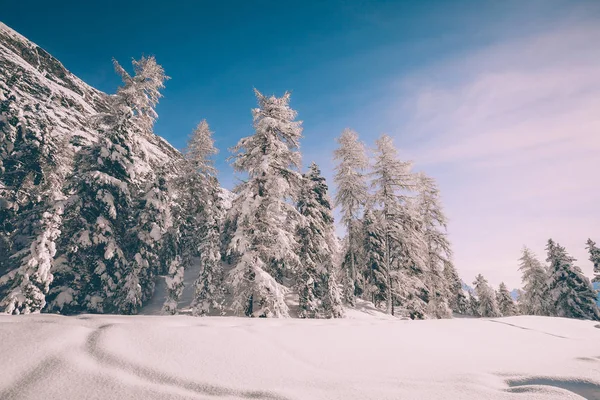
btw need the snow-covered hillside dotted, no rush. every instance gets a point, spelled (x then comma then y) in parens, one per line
(148, 357)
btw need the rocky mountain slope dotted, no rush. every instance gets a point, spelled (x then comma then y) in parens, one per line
(52, 98)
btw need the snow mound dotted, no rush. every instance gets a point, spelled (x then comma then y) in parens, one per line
(181, 357)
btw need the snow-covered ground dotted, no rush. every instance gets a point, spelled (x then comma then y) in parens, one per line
(365, 356)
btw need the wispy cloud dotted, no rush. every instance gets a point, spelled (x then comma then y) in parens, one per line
(512, 132)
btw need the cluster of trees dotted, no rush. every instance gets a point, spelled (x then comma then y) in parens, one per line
(396, 253)
(557, 289)
(88, 229)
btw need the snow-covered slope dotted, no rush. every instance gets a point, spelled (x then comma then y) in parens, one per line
(148, 357)
(54, 99)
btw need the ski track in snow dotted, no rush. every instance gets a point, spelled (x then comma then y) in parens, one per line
(94, 350)
(528, 329)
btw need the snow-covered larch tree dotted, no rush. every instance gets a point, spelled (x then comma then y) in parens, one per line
(570, 290)
(351, 195)
(534, 300)
(405, 251)
(486, 298)
(319, 295)
(203, 194)
(437, 248)
(264, 241)
(594, 258)
(506, 304)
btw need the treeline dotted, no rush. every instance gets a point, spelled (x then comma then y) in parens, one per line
(558, 289)
(89, 228)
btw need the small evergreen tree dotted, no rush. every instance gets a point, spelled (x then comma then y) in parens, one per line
(506, 304)
(153, 219)
(319, 294)
(534, 300)
(594, 258)
(488, 307)
(473, 305)
(174, 281)
(457, 299)
(571, 292)
(376, 274)
(203, 212)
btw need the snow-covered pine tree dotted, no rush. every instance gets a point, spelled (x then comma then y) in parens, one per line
(473, 305)
(594, 258)
(506, 304)
(264, 242)
(457, 300)
(350, 197)
(377, 278)
(174, 281)
(28, 146)
(486, 297)
(202, 193)
(319, 295)
(570, 290)
(534, 300)
(437, 246)
(29, 282)
(100, 215)
(153, 220)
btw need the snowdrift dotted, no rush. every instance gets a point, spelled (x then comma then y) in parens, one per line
(362, 357)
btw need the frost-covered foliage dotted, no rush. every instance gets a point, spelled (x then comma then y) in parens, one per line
(376, 273)
(37, 224)
(403, 229)
(209, 287)
(95, 271)
(535, 299)
(506, 304)
(31, 281)
(442, 288)
(174, 281)
(140, 93)
(457, 301)
(473, 305)
(152, 222)
(319, 294)
(570, 291)
(487, 305)
(351, 196)
(203, 194)
(594, 258)
(264, 241)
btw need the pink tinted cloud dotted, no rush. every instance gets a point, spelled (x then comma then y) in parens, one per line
(513, 134)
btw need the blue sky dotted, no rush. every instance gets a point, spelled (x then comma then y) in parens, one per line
(491, 98)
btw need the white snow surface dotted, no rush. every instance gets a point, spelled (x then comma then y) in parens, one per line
(362, 357)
